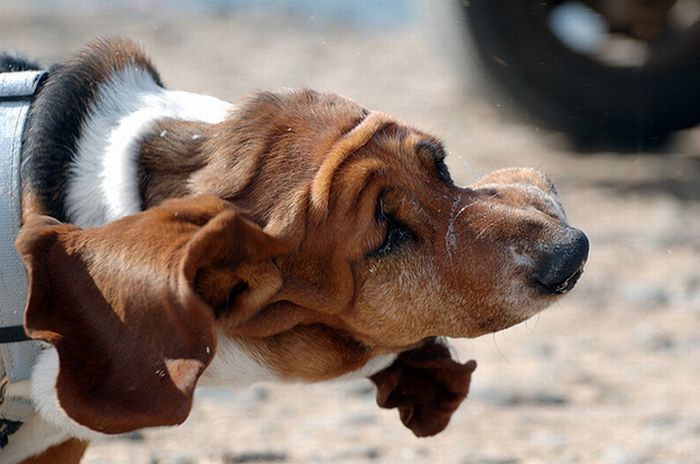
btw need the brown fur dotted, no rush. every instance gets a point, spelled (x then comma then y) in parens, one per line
(170, 153)
(103, 56)
(68, 452)
(274, 244)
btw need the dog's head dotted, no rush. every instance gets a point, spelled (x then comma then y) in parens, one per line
(382, 243)
(316, 230)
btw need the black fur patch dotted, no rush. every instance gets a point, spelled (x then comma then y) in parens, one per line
(56, 116)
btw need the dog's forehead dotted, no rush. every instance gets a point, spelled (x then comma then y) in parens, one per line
(306, 109)
(321, 119)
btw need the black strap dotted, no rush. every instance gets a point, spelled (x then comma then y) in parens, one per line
(13, 334)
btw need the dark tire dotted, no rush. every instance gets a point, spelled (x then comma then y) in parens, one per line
(596, 104)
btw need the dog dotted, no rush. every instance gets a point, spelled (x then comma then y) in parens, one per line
(174, 240)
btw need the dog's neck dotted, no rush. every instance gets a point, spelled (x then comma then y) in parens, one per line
(120, 165)
(167, 154)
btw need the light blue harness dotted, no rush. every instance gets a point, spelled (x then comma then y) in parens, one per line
(16, 357)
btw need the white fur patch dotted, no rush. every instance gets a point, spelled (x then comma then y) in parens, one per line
(103, 180)
(45, 398)
(34, 437)
(370, 368)
(234, 366)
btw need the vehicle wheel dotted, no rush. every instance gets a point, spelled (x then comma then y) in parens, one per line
(599, 102)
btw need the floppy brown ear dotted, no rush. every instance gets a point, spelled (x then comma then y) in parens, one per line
(426, 385)
(122, 306)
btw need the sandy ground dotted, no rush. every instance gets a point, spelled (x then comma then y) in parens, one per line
(609, 375)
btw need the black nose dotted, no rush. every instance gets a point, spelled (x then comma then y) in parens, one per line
(562, 264)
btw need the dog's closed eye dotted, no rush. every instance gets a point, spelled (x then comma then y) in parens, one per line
(396, 235)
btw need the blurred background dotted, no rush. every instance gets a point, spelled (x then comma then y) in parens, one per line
(601, 95)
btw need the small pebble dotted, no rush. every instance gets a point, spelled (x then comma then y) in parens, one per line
(173, 459)
(134, 436)
(358, 454)
(645, 295)
(255, 456)
(502, 397)
(491, 460)
(616, 455)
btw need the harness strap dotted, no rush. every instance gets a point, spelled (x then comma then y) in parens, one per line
(16, 355)
(13, 334)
